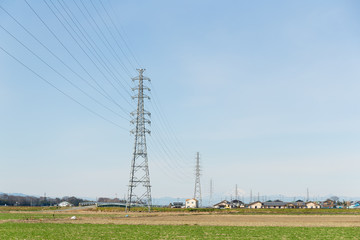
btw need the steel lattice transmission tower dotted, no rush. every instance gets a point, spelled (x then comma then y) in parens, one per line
(197, 191)
(139, 190)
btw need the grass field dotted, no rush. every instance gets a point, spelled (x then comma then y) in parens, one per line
(104, 231)
(101, 231)
(30, 216)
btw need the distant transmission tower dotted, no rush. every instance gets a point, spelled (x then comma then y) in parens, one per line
(197, 191)
(139, 189)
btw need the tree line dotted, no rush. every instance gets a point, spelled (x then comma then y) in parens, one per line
(14, 200)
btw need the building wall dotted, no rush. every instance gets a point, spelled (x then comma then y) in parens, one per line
(312, 205)
(191, 203)
(255, 205)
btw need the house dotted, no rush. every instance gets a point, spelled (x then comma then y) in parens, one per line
(223, 204)
(177, 205)
(300, 204)
(256, 204)
(237, 204)
(191, 203)
(275, 204)
(297, 204)
(290, 205)
(312, 205)
(328, 204)
(355, 205)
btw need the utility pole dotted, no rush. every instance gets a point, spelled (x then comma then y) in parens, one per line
(139, 189)
(236, 192)
(307, 194)
(197, 191)
(251, 196)
(211, 193)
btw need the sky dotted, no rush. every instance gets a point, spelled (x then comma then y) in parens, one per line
(266, 91)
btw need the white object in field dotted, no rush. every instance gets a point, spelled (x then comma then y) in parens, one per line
(64, 204)
(73, 218)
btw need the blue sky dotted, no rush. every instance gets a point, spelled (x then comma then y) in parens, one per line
(267, 92)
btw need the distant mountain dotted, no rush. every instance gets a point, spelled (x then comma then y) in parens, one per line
(166, 200)
(18, 194)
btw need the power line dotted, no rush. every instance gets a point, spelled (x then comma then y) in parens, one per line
(119, 33)
(73, 57)
(79, 45)
(162, 144)
(169, 172)
(60, 60)
(103, 39)
(167, 157)
(166, 166)
(112, 35)
(58, 89)
(167, 127)
(163, 130)
(92, 43)
(165, 133)
(101, 32)
(61, 75)
(170, 154)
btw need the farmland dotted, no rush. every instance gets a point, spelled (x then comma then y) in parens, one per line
(114, 223)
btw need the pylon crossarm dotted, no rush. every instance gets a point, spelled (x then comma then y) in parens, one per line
(143, 96)
(141, 78)
(137, 88)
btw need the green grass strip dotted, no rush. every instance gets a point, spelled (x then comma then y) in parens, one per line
(110, 231)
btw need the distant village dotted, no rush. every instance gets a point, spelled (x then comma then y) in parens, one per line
(15, 200)
(225, 204)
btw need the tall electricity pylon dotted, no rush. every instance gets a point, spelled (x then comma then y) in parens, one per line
(197, 191)
(139, 189)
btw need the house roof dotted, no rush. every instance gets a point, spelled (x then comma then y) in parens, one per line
(191, 199)
(222, 202)
(274, 203)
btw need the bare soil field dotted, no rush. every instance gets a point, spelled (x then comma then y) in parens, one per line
(201, 219)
